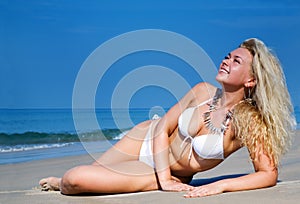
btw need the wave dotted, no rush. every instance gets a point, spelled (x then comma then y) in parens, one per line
(20, 148)
(35, 140)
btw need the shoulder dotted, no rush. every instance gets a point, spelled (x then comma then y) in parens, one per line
(204, 90)
(199, 93)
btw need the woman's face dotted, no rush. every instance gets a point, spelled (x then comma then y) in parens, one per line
(235, 68)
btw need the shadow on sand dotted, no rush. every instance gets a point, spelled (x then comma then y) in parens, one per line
(200, 182)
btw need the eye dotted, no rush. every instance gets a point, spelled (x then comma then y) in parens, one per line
(226, 57)
(237, 61)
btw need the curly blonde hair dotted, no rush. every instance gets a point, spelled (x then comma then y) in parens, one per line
(270, 121)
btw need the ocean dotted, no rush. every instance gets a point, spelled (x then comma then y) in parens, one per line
(33, 134)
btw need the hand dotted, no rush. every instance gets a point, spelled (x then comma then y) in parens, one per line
(205, 190)
(172, 185)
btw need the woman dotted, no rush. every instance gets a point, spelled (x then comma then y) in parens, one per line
(253, 109)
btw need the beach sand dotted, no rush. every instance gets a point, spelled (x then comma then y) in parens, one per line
(19, 182)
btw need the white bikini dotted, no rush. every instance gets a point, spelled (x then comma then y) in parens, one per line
(209, 146)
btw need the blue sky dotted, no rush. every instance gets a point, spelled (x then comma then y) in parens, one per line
(43, 43)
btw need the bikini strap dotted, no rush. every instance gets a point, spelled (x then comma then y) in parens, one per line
(204, 102)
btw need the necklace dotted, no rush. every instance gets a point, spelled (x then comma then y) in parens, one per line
(207, 118)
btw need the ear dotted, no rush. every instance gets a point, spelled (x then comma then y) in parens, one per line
(251, 83)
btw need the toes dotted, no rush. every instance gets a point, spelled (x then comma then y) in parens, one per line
(45, 187)
(49, 184)
(42, 182)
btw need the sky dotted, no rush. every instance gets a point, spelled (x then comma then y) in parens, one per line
(44, 43)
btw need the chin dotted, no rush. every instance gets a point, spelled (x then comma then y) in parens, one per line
(219, 78)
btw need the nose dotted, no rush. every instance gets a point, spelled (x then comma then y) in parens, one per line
(225, 62)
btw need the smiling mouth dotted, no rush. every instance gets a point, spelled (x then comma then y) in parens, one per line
(224, 70)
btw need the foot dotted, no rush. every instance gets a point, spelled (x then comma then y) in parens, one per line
(50, 184)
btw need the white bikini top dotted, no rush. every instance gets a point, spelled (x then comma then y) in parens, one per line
(209, 146)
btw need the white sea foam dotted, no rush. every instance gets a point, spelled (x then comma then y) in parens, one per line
(121, 135)
(20, 148)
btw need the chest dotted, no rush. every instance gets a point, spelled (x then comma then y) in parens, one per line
(192, 123)
(199, 120)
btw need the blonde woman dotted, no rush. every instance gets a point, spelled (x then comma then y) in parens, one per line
(252, 109)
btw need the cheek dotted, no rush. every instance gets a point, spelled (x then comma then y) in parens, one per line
(239, 77)
(243, 73)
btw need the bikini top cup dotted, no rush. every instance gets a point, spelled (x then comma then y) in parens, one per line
(209, 146)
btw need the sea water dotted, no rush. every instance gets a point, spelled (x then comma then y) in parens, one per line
(31, 134)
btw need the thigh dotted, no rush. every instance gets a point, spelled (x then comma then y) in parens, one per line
(128, 148)
(113, 178)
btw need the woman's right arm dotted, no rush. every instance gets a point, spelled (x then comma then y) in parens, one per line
(164, 128)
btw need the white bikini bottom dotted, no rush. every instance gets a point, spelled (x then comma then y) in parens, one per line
(146, 152)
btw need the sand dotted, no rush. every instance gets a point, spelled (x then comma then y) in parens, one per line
(19, 182)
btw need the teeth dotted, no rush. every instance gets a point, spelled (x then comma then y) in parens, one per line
(224, 70)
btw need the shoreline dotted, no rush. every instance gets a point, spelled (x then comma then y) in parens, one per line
(19, 182)
(74, 149)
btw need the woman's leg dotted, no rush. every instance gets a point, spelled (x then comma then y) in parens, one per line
(127, 149)
(129, 176)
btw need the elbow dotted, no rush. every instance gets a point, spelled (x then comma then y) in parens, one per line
(272, 177)
(273, 182)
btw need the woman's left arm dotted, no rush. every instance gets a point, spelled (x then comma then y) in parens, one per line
(265, 175)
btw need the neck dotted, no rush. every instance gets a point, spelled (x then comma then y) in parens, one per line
(230, 98)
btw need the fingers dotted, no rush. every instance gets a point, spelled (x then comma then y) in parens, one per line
(177, 186)
(201, 192)
(194, 194)
(185, 188)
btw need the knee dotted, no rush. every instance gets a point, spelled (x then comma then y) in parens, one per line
(71, 182)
